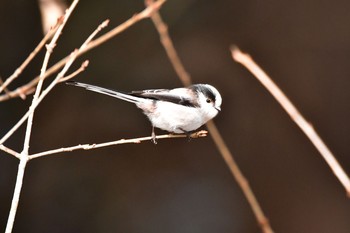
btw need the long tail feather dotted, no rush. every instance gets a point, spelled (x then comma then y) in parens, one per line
(105, 91)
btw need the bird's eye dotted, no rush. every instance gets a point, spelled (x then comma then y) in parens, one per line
(208, 100)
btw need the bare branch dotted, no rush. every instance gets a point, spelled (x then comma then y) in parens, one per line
(167, 43)
(10, 151)
(293, 112)
(20, 69)
(16, 194)
(49, 51)
(85, 47)
(92, 36)
(75, 73)
(147, 12)
(59, 77)
(241, 180)
(4, 88)
(198, 134)
(35, 103)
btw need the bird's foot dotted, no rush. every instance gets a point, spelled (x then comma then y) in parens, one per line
(154, 139)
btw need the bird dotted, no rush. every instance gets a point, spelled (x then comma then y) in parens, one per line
(178, 110)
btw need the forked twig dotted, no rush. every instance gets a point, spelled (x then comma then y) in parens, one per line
(75, 73)
(20, 69)
(147, 12)
(10, 151)
(88, 44)
(293, 112)
(37, 97)
(24, 154)
(224, 151)
(59, 78)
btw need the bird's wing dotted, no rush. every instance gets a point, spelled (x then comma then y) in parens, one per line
(178, 96)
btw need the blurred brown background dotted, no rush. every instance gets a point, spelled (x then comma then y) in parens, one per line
(176, 185)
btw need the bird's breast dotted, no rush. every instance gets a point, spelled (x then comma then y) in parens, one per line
(175, 118)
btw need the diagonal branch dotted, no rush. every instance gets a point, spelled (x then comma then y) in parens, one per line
(220, 143)
(167, 43)
(296, 116)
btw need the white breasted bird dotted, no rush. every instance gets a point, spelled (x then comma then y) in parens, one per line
(179, 110)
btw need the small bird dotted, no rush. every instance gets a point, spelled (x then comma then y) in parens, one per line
(179, 110)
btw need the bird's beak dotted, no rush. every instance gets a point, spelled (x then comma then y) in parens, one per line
(218, 108)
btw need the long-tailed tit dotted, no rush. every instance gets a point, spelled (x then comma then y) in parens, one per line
(179, 110)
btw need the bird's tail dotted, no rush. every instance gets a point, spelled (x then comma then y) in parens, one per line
(105, 91)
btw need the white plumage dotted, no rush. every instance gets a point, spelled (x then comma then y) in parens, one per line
(179, 110)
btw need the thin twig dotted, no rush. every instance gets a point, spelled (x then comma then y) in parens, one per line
(226, 154)
(146, 13)
(4, 88)
(198, 134)
(20, 69)
(59, 77)
(167, 43)
(241, 180)
(10, 151)
(24, 155)
(42, 96)
(67, 62)
(16, 194)
(75, 73)
(49, 51)
(88, 44)
(296, 116)
(97, 30)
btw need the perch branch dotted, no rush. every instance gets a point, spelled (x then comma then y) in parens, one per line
(293, 112)
(198, 134)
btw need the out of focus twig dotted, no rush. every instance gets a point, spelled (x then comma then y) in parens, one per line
(50, 10)
(220, 143)
(4, 88)
(293, 112)
(167, 43)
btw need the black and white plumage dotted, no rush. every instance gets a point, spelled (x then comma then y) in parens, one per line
(179, 110)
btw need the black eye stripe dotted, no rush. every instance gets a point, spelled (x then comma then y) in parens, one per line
(205, 90)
